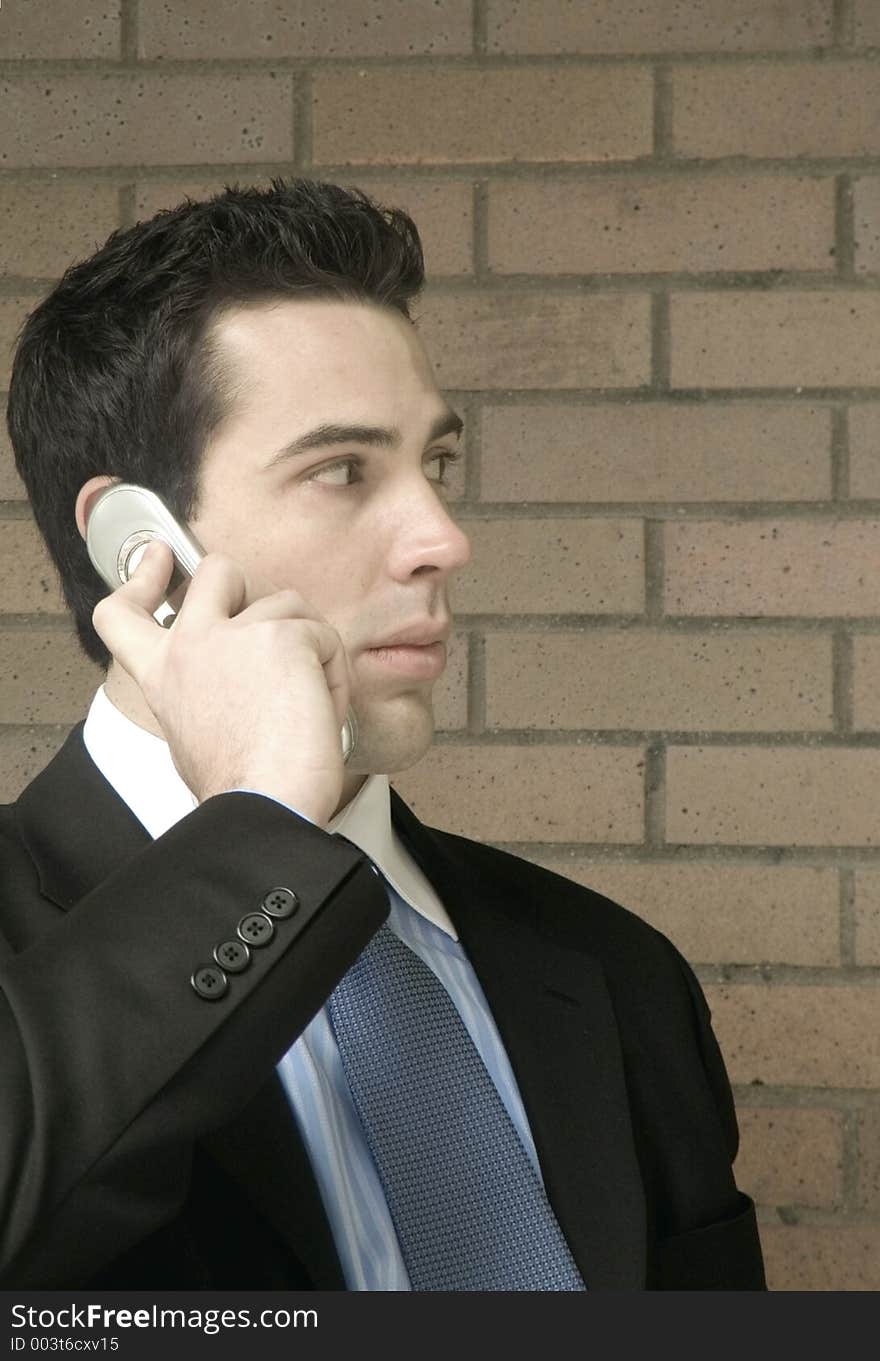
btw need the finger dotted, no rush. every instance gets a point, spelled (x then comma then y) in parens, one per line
(334, 660)
(148, 583)
(288, 606)
(281, 604)
(221, 589)
(124, 619)
(218, 590)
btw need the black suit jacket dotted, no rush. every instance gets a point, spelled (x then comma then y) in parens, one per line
(146, 1141)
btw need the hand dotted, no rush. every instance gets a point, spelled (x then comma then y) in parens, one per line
(246, 694)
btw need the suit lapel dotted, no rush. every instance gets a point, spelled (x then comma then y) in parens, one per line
(554, 1015)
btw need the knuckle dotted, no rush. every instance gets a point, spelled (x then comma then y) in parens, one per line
(281, 631)
(217, 560)
(289, 599)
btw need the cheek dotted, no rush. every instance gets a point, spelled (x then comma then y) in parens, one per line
(331, 567)
(328, 578)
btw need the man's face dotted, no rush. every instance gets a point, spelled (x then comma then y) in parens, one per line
(370, 544)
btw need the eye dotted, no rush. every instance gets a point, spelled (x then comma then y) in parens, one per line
(447, 457)
(442, 456)
(341, 466)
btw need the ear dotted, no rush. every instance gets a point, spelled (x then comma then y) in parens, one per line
(87, 494)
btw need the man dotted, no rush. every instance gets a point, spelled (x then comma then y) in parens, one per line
(196, 965)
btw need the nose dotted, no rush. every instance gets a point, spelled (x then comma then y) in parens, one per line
(427, 536)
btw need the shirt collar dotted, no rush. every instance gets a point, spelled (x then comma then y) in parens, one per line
(139, 767)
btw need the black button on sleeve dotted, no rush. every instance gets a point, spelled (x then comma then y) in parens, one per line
(256, 929)
(209, 982)
(279, 903)
(232, 955)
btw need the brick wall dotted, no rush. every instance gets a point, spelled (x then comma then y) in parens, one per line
(653, 233)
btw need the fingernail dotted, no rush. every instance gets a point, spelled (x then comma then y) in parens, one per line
(142, 555)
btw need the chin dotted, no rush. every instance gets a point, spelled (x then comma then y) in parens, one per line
(393, 736)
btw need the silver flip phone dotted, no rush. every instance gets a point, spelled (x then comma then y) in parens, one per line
(121, 522)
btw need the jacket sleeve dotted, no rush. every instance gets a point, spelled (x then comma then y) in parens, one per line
(723, 1252)
(112, 1064)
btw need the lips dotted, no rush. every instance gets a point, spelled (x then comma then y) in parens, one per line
(417, 635)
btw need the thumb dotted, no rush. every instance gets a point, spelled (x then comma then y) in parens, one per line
(124, 619)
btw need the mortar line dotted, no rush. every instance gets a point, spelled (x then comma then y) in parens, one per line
(844, 228)
(129, 30)
(663, 110)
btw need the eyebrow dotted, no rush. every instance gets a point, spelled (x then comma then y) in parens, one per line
(389, 437)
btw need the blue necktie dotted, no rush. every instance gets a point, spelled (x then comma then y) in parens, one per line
(469, 1210)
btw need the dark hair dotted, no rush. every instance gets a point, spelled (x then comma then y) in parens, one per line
(115, 372)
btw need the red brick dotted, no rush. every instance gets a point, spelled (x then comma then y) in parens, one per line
(549, 566)
(866, 681)
(867, 914)
(798, 1035)
(635, 226)
(866, 204)
(791, 1156)
(45, 227)
(808, 568)
(537, 340)
(450, 692)
(757, 339)
(723, 914)
(23, 754)
(306, 28)
(866, 23)
(28, 580)
(651, 451)
(761, 796)
(506, 793)
(66, 28)
(632, 26)
(822, 1257)
(146, 119)
(774, 109)
(869, 1159)
(864, 450)
(529, 113)
(46, 677)
(443, 212)
(645, 678)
